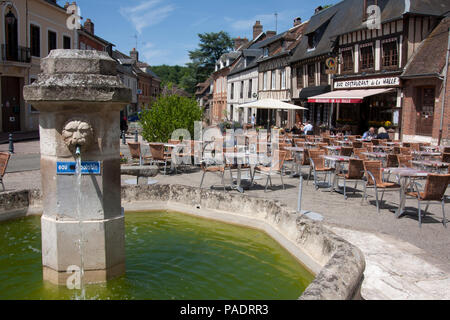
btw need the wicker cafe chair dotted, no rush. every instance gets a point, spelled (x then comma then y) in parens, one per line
(404, 161)
(357, 144)
(346, 151)
(359, 153)
(405, 151)
(434, 191)
(374, 179)
(276, 167)
(220, 169)
(375, 142)
(392, 161)
(445, 157)
(368, 146)
(318, 166)
(158, 154)
(4, 159)
(136, 153)
(355, 173)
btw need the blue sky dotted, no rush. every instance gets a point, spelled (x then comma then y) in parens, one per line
(167, 29)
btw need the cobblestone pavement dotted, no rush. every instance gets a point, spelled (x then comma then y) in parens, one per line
(403, 260)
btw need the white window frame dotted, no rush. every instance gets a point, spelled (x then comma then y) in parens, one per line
(48, 42)
(283, 78)
(40, 37)
(273, 84)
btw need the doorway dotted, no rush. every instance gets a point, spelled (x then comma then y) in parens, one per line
(11, 104)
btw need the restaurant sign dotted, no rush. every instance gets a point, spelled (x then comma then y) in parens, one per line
(366, 83)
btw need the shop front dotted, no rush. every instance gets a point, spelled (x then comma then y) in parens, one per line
(355, 106)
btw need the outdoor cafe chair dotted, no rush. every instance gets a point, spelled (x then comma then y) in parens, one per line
(375, 142)
(357, 144)
(368, 146)
(391, 161)
(404, 161)
(346, 151)
(158, 155)
(434, 191)
(355, 173)
(136, 152)
(445, 157)
(359, 153)
(275, 168)
(213, 168)
(4, 159)
(317, 166)
(374, 179)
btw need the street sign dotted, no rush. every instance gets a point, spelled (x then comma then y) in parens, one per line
(331, 66)
(87, 167)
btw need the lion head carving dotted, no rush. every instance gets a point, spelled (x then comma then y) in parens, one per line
(77, 132)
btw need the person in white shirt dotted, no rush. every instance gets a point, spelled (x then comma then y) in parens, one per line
(308, 129)
(253, 120)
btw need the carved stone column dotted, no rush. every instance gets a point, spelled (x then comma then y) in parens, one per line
(79, 97)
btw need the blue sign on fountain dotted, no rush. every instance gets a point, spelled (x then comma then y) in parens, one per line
(87, 167)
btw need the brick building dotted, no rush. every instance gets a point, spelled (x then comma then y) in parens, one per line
(423, 90)
(88, 40)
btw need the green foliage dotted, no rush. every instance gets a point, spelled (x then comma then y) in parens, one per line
(167, 114)
(211, 47)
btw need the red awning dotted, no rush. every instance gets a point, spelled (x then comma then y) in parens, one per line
(346, 96)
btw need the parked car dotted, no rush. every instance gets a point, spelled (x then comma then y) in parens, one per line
(134, 117)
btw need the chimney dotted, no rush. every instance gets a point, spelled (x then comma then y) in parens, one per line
(318, 9)
(270, 34)
(134, 55)
(257, 29)
(238, 42)
(89, 26)
(297, 21)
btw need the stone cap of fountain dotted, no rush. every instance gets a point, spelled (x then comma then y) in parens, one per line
(77, 76)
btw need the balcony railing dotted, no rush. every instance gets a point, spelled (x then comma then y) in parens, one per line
(16, 53)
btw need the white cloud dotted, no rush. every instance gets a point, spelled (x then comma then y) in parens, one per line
(146, 14)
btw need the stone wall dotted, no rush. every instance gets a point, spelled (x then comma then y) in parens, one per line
(337, 264)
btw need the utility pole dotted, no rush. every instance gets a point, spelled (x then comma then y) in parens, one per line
(276, 22)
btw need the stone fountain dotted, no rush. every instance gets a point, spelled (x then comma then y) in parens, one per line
(79, 97)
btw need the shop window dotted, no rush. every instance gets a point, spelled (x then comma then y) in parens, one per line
(323, 74)
(51, 41)
(35, 40)
(366, 60)
(300, 77)
(311, 75)
(347, 60)
(390, 54)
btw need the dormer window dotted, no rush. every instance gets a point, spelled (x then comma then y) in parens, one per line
(266, 52)
(311, 41)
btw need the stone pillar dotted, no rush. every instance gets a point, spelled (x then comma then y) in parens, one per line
(79, 97)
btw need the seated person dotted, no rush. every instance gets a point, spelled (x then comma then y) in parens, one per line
(382, 133)
(369, 135)
(308, 129)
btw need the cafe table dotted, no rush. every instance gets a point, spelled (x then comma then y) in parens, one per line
(239, 159)
(405, 175)
(432, 165)
(338, 164)
(298, 151)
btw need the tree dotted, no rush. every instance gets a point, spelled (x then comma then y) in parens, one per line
(167, 114)
(212, 46)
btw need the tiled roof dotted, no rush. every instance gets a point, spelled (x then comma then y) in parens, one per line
(335, 21)
(429, 58)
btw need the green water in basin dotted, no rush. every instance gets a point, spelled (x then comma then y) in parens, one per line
(168, 256)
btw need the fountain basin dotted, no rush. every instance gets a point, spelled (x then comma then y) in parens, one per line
(337, 265)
